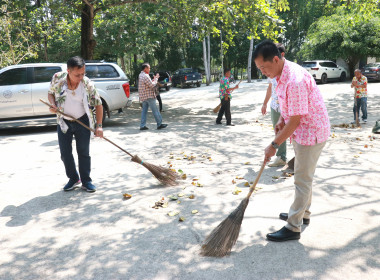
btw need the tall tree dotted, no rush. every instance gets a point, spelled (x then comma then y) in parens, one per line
(338, 36)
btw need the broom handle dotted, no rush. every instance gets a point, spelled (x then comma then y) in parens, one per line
(252, 188)
(82, 124)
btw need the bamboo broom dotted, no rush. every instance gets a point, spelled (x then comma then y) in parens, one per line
(164, 175)
(220, 241)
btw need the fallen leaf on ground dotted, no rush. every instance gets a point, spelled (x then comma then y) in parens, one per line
(246, 184)
(191, 196)
(365, 146)
(181, 194)
(173, 213)
(178, 201)
(183, 177)
(195, 179)
(247, 163)
(275, 177)
(356, 156)
(180, 171)
(194, 212)
(181, 219)
(233, 182)
(173, 197)
(127, 196)
(199, 185)
(236, 191)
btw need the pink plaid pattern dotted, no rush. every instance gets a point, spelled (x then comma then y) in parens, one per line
(298, 94)
(146, 87)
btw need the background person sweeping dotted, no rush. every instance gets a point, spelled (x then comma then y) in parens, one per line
(359, 82)
(73, 93)
(225, 97)
(305, 120)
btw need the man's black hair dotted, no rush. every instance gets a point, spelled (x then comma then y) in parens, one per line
(267, 49)
(75, 62)
(280, 47)
(226, 70)
(144, 65)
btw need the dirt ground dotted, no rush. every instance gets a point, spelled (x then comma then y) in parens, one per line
(46, 233)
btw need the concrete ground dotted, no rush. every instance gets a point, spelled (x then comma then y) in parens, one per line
(46, 233)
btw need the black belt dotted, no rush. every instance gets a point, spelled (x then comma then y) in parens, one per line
(85, 115)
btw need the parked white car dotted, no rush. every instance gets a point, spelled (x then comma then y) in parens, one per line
(324, 70)
(22, 86)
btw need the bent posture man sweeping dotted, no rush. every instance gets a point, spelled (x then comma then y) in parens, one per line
(305, 120)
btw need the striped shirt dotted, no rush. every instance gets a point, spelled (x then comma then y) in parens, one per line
(146, 86)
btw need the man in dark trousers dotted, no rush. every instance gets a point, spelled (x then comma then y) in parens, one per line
(225, 97)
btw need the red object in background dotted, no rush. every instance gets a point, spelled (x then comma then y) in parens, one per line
(314, 68)
(126, 89)
(185, 78)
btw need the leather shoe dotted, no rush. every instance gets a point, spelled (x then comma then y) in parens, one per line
(218, 122)
(144, 128)
(230, 124)
(284, 216)
(162, 126)
(283, 234)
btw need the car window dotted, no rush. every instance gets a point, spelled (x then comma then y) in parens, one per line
(44, 74)
(323, 64)
(331, 64)
(101, 71)
(309, 64)
(13, 77)
(373, 65)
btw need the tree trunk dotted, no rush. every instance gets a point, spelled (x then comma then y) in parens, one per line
(122, 62)
(249, 69)
(209, 59)
(205, 61)
(87, 32)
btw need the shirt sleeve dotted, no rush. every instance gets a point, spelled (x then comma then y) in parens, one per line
(148, 82)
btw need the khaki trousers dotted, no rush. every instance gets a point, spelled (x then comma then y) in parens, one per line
(306, 158)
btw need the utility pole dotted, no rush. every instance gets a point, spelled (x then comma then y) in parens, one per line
(221, 50)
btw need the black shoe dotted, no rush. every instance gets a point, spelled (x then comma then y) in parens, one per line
(218, 122)
(144, 128)
(162, 126)
(230, 124)
(284, 216)
(283, 234)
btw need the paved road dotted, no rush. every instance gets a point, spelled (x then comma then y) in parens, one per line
(48, 234)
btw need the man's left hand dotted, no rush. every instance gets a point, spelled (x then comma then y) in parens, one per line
(99, 132)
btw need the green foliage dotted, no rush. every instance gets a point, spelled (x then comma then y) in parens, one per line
(338, 35)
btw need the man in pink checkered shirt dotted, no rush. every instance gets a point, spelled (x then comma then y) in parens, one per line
(147, 96)
(305, 120)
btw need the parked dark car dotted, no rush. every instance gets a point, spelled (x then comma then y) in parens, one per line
(164, 81)
(186, 77)
(372, 71)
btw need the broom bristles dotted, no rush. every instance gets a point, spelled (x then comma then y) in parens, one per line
(163, 174)
(220, 241)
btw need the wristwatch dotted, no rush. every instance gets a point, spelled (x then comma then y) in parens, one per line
(99, 125)
(275, 145)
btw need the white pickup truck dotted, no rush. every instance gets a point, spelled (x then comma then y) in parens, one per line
(22, 86)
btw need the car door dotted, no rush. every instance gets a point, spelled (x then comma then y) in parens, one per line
(42, 76)
(333, 69)
(15, 94)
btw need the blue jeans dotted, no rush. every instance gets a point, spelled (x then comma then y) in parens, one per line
(82, 140)
(151, 102)
(361, 103)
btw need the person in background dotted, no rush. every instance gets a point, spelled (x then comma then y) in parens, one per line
(225, 97)
(359, 82)
(74, 94)
(275, 114)
(147, 95)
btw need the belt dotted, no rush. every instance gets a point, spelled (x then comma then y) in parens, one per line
(75, 120)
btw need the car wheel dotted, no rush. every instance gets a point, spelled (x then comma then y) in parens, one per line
(343, 77)
(198, 84)
(324, 78)
(167, 88)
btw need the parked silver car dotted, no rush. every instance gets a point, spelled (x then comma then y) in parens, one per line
(324, 70)
(22, 86)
